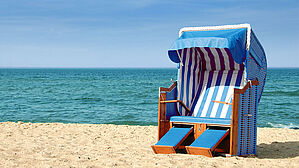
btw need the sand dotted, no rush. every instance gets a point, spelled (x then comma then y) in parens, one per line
(91, 145)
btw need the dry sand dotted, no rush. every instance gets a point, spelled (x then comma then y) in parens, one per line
(88, 145)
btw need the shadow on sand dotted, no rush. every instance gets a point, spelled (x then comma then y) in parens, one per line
(278, 150)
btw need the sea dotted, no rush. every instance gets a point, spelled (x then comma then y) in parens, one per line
(125, 96)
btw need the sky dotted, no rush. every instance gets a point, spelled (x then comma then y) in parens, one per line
(133, 33)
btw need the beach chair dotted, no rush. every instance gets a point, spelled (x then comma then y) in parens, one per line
(212, 108)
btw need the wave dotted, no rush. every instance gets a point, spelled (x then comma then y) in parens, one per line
(89, 99)
(290, 126)
(286, 104)
(279, 92)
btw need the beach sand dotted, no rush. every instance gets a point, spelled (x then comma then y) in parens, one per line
(91, 145)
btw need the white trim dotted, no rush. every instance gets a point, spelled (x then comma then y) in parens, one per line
(224, 27)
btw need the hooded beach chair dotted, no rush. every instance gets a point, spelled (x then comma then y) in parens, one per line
(212, 108)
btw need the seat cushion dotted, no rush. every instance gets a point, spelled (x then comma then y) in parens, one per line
(200, 120)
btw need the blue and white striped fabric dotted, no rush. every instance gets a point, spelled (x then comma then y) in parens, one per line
(188, 76)
(208, 74)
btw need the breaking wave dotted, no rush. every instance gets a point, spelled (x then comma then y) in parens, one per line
(290, 126)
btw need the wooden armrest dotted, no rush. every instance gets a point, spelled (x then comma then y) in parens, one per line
(177, 101)
(222, 102)
(243, 90)
(170, 88)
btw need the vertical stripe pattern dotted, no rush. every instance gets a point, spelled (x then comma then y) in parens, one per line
(188, 77)
(208, 74)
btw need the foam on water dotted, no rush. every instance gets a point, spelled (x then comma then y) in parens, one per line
(290, 126)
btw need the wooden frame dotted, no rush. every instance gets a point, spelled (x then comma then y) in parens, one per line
(198, 128)
(163, 123)
(235, 117)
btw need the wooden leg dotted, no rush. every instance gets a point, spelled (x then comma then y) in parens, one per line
(196, 130)
(203, 127)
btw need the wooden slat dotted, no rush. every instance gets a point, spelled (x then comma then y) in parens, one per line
(234, 125)
(203, 127)
(163, 124)
(215, 101)
(163, 149)
(199, 151)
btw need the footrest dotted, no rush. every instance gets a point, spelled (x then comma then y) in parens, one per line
(206, 143)
(171, 140)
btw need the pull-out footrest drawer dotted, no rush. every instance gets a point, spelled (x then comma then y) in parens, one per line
(171, 140)
(206, 143)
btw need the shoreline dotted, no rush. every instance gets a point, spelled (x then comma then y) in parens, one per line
(281, 126)
(98, 145)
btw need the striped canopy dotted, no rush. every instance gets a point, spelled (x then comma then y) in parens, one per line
(233, 40)
(212, 62)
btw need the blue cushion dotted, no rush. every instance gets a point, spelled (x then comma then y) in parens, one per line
(208, 138)
(173, 136)
(206, 120)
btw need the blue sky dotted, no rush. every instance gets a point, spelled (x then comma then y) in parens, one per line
(133, 33)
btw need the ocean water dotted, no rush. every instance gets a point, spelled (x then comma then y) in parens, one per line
(121, 96)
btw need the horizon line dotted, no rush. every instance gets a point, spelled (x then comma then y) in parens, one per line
(101, 67)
